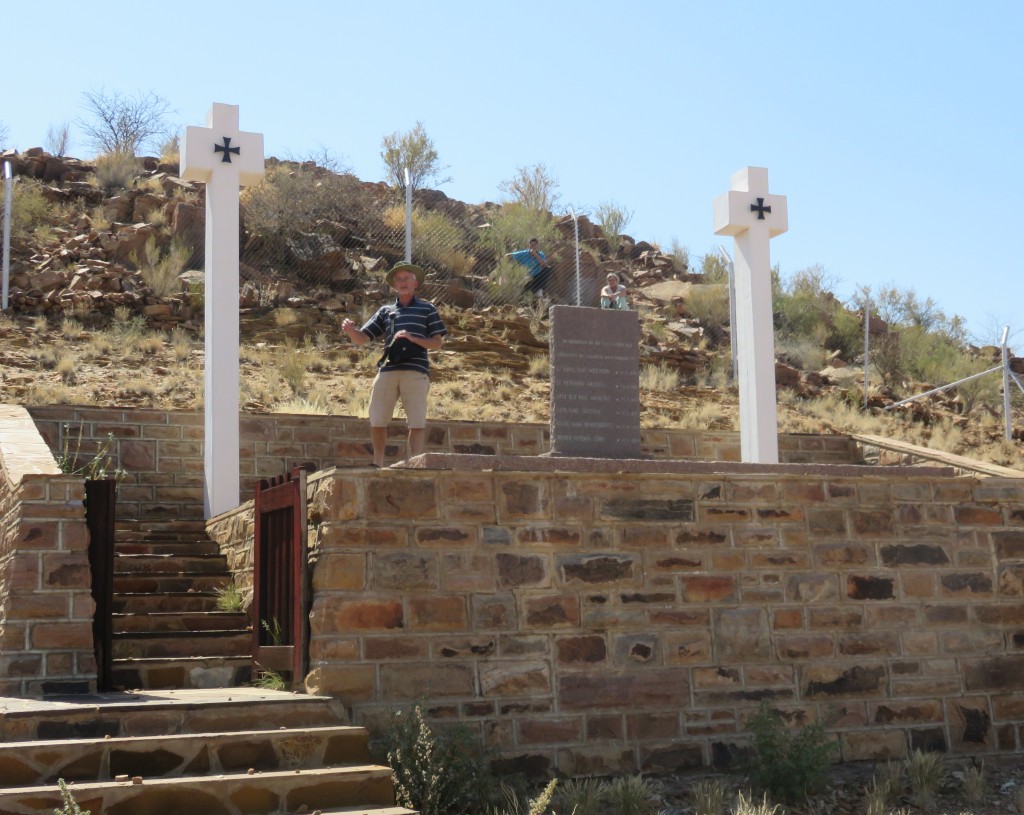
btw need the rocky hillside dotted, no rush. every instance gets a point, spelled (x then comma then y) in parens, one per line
(97, 250)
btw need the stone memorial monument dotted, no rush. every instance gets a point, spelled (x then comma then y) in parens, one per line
(595, 383)
(753, 217)
(223, 158)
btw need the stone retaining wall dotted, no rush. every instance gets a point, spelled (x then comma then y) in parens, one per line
(606, 623)
(162, 451)
(46, 605)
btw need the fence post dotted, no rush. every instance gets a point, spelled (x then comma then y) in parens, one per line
(8, 183)
(408, 218)
(867, 347)
(732, 308)
(576, 233)
(1008, 417)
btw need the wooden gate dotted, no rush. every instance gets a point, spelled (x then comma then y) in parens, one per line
(100, 509)
(280, 603)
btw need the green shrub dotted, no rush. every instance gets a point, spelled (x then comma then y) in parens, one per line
(802, 352)
(69, 804)
(160, 270)
(532, 187)
(269, 680)
(512, 226)
(680, 257)
(631, 795)
(583, 796)
(787, 765)
(230, 598)
(29, 208)
(505, 284)
(708, 797)
(292, 197)
(437, 241)
(709, 305)
(437, 774)
(414, 151)
(925, 773)
(114, 172)
(714, 268)
(197, 295)
(613, 220)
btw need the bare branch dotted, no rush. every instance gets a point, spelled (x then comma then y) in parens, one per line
(122, 124)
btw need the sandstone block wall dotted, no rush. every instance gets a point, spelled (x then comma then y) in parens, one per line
(604, 624)
(46, 605)
(162, 451)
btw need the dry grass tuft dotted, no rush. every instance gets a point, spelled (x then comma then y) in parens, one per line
(72, 329)
(181, 345)
(67, 367)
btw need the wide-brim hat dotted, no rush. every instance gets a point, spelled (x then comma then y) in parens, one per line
(405, 267)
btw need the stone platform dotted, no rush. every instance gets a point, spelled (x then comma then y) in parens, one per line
(577, 464)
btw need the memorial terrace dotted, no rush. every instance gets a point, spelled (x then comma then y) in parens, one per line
(585, 615)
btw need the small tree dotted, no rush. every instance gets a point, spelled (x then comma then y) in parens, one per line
(58, 139)
(413, 150)
(513, 224)
(533, 187)
(613, 219)
(4, 133)
(117, 123)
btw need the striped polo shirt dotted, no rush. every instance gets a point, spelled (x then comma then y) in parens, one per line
(419, 318)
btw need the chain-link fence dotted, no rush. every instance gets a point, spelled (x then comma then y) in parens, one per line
(323, 231)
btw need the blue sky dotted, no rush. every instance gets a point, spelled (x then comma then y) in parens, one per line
(893, 128)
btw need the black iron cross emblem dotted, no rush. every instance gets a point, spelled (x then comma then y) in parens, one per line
(760, 209)
(227, 150)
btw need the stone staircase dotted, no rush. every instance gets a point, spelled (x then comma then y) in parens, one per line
(168, 632)
(202, 752)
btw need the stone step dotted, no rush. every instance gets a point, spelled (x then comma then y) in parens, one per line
(169, 564)
(278, 792)
(165, 644)
(181, 602)
(160, 529)
(182, 673)
(144, 547)
(134, 621)
(169, 583)
(162, 712)
(84, 760)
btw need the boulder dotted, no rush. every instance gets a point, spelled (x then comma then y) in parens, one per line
(119, 208)
(188, 227)
(145, 205)
(46, 281)
(786, 376)
(127, 243)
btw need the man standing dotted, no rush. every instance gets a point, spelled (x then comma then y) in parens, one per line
(536, 263)
(410, 328)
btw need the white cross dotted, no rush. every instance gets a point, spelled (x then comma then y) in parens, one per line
(223, 158)
(753, 217)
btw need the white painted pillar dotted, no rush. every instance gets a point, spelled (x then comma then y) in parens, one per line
(752, 217)
(223, 158)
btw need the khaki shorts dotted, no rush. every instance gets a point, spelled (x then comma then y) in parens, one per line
(390, 386)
